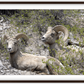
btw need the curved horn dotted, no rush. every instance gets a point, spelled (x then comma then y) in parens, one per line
(21, 35)
(63, 29)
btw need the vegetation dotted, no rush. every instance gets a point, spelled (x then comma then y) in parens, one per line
(22, 21)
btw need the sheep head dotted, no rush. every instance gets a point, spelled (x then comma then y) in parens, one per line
(12, 43)
(52, 34)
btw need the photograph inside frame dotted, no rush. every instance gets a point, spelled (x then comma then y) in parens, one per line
(41, 42)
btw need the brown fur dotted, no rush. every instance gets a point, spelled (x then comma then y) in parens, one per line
(25, 61)
(52, 35)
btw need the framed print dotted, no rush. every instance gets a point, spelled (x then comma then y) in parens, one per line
(41, 41)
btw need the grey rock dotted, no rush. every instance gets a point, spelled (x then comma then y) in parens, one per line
(1, 68)
(30, 35)
(1, 65)
(8, 73)
(1, 28)
(1, 71)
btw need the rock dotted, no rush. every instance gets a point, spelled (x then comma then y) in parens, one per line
(1, 45)
(30, 35)
(1, 19)
(1, 71)
(1, 28)
(1, 65)
(0, 41)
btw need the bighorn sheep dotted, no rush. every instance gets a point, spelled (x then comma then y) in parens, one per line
(53, 34)
(25, 61)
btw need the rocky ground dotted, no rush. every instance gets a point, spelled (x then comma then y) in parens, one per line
(37, 47)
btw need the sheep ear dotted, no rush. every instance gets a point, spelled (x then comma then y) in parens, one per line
(5, 37)
(49, 27)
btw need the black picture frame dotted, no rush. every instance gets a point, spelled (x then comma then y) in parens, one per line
(41, 81)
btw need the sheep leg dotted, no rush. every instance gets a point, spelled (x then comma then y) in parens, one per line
(43, 72)
(54, 66)
(51, 70)
(46, 71)
(51, 67)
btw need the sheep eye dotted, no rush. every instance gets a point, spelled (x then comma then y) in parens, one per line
(15, 43)
(52, 35)
(7, 43)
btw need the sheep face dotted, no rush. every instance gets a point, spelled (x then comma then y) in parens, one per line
(13, 42)
(53, 34)
(12, 45)
(50, 36)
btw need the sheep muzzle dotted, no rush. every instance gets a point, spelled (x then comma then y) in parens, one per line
(43, 39)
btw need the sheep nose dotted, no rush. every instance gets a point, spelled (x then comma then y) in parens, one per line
(43, 38)
(9, 49)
